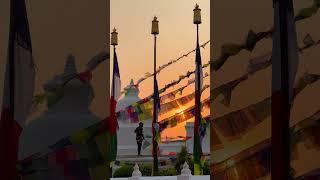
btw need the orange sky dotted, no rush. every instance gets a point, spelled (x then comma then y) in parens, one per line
(177, 36)
(80, 27)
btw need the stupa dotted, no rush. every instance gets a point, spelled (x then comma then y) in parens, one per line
(127, 145)
(130, 97)
(126, 137)
(63, 116)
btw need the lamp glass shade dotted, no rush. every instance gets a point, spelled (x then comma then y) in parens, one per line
(155, 26)
(197, 15)
(114, 37)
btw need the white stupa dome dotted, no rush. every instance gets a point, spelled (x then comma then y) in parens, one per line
(130, 96)
(64, 116)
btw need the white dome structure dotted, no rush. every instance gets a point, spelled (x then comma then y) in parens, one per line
(127, 145)
(126, 137)
(64, 116)
(130, 96)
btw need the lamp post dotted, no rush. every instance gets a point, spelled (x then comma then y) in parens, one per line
(197, 149)
(114, 43)
(114, 38)
(197, 18)
(155, 32)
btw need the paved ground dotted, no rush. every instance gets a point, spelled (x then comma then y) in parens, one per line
(146, 157)
(142, 159)
(167, 178)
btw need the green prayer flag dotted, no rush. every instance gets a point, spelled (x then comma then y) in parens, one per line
(231, 49)
(146, 144)
(197, 152)
(173, 122)
(111, 147)
(95, 156)
(307, 12)
(251, 40)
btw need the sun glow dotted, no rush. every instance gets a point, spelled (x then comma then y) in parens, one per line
(180, 112)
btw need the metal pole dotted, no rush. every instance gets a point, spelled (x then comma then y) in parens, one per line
(114, 53)
(11, 171)
(197, 106)
(198, 73)
(12, 37)
(198, 99)
(280, 149)
(155, 144)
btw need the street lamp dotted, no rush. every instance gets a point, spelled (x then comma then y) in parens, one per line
(197, 15)
(197, 19)
(155, 32)
(197, 149)
(114, 37)
(155, 26)
(114, 43)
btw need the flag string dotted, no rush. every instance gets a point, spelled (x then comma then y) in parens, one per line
(148, 75)
(232, 49)
(255, 64)
(304, 81)
(227, 50)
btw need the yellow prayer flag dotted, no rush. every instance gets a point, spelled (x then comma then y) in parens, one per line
(99, 172)
(148, 105)
(112, 164)
(80, 136)
(144, 116)
(197, 169)
(102, 143)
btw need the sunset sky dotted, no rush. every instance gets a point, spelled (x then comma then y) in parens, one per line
(61, 27)
(81, 27)
(177, 36)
